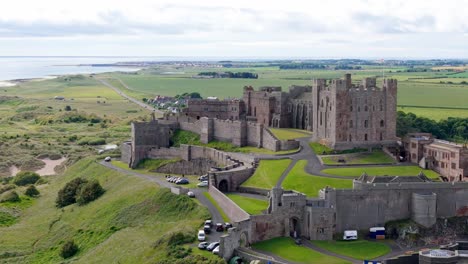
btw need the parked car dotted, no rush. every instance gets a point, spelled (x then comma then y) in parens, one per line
(191, 194)
(107, 159)
(216, 250)
(212, 246)
(207, 229)
(209, 222)
(182, 181)
(203, 245)
(227, 226)
(201, 235)
(350, 235)
(219, 227)
(203, 184)
(203, 178)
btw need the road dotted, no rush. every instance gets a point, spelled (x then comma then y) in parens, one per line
(136, 101)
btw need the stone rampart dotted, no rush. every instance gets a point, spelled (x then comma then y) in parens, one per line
(289, 144)
(259, 191)
(270, 141)
(232, 210)
(165, 153)
(126, 152)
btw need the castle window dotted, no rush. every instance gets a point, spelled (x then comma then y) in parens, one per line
(454, 166)
(365, 108)
(366, 123)
(381, 136)
(350, 137)
(351, 108)
(320, 118)
(351, 123)
(382, 123)
(373, 108)
(359, 109)
(381, 105)
(321, 104)
(365, 137)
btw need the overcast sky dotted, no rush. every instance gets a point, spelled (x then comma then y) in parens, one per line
(241, 28)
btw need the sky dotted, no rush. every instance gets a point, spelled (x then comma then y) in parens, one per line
(408, 29)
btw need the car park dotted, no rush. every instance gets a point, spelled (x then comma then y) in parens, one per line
(191, 194)
(203, 245)
(207, 229)
(203, 184)
(219, 227)
(182, 181)
(201, 235)
(212, 246)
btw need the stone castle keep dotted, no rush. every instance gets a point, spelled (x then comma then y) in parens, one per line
(340, 113)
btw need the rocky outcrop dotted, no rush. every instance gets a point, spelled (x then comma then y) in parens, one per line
(198, 166)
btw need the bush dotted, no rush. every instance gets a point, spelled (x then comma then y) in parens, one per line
(31, 191)
(179, 238)
(10, 196)
(7, 187)
(69, 249)
(67, 195)
(89, 192)
(26, 177)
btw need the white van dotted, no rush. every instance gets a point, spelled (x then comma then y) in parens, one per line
(201, 235)
(350, 235)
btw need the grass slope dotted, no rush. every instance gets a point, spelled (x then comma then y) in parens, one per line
(381, 171)
(121, 226)
(360, 249)
(308, 184)
(267, 174)
(250, 205)
(375, 157)
(285, 248)
(288, 133)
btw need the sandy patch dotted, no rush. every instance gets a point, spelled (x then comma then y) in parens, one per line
(50, 166)
(6, 84)
(14, 170)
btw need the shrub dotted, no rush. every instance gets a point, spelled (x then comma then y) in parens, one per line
(68, 108)
(179, 238)
(67, 195)
(7, 187)
(178, 252)
(69, 249)
(89, 192)
(31, 191)
(10, 196)
(26, 177)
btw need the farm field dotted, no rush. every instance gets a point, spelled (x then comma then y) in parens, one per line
(285, 248)
(250, 205)
(359, 249)
(435, 113)
(267, 174)
(303, 182)
(381, 171)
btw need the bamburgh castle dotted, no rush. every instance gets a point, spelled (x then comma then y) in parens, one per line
(341, 114)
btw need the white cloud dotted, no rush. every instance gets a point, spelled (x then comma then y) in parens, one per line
(231, 27)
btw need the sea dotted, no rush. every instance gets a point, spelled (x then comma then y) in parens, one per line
(14, 68)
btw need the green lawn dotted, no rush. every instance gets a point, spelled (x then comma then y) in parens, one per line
(381, 171)
(320, 149)
(267, 174)
(250, 205)
(359, 249)
(289, 133)
(375, 157)
(221, 211)
(284, 247)
(303, 182)
(265, 151)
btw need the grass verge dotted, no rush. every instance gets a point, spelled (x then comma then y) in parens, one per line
(308, 184)
(250, 205)
(375, 157)
(288, 133)
(359, 249)
(381, 171)
(267, 174)
(285, 248)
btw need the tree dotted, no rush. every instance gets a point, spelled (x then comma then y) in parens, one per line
(31, 191)
(89, 192)
(26, 177)
(67, 195)
(69, 249)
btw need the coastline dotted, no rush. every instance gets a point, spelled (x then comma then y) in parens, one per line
(14, 82)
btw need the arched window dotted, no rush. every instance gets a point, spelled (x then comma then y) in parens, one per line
(381, 105)
(351, 108)
(359, 109)
(382, 123)
(350, 123)
(366, 123)
(381, 136)
(365, 137)
(350, 137)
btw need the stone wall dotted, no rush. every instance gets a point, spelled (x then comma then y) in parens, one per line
(270, 141)
(231, 179)
(289, 144)
(126, 152)
(232, 210)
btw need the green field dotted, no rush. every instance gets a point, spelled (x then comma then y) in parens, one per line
(375, 157)
(129, 223)
(267, 174)
(250, 205)
(288, 133)
(381, 171)
(303, 182)
(285, 248)
(435, 113)
(359, 249)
